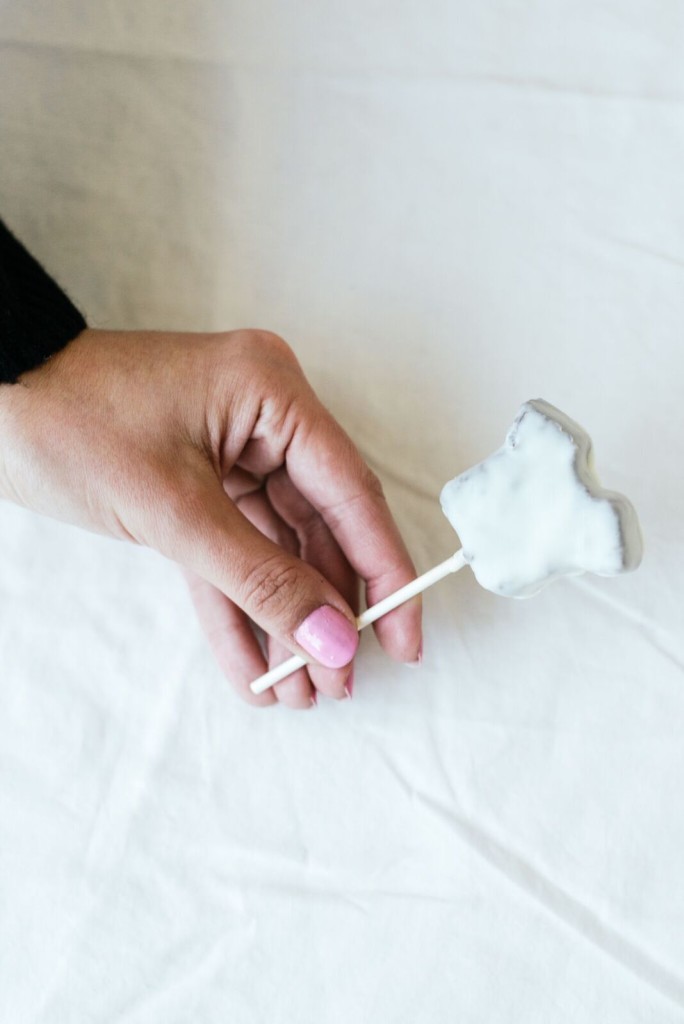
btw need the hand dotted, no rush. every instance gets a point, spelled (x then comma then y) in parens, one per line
(214, 449)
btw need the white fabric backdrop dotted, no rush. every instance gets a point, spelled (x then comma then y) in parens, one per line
(447, 208)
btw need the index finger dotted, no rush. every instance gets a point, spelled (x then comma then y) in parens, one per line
(327, 468)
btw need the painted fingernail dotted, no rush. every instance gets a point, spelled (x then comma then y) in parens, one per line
(349, 685)
(416, 663)
(328, 636)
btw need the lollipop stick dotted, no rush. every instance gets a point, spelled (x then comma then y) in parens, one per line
(387, 604)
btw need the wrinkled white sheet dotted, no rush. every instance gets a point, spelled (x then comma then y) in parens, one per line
(447, 208)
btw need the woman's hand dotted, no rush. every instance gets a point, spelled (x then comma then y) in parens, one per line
(213, 449)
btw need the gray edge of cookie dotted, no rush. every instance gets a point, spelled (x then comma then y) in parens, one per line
(628, 521)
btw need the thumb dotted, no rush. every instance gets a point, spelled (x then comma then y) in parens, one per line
(288, 598)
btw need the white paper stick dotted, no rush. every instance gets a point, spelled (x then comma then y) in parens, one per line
(387, 604)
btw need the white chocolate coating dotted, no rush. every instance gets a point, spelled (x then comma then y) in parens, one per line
(535, 510)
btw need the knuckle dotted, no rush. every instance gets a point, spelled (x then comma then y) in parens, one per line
(275, 344)
(248, 339)
(258, 355)
(272, 586)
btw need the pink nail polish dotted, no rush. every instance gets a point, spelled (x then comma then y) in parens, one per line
(349, 685)
(328, 636)
(416, 663)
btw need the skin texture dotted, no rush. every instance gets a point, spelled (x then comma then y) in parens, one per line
(214, 450)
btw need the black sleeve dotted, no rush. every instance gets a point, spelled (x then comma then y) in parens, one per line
(36, 317)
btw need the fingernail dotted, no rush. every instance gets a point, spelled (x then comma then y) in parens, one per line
(416, 663)
(314, 698)
(349, 685)
(328, 636)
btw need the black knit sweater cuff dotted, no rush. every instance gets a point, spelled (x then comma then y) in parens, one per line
(36, 317)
